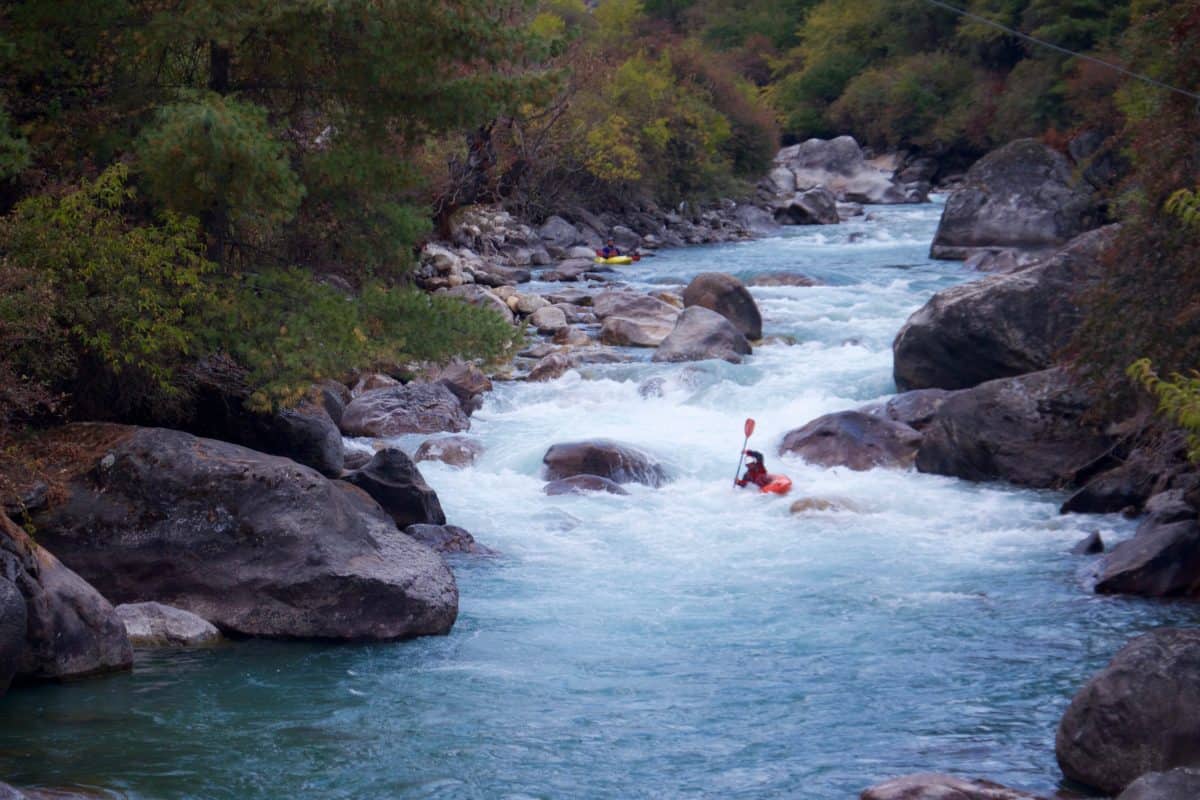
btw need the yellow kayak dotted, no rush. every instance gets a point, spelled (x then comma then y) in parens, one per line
(614, 260)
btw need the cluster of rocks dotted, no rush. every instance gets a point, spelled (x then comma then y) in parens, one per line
(821, 182)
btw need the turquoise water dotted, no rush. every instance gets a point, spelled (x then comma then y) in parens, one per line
(690, 641)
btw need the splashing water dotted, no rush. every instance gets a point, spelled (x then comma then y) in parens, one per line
(689, 641)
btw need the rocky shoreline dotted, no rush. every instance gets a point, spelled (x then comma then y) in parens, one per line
(193, 530)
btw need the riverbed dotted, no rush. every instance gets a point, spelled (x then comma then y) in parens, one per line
(688, 641)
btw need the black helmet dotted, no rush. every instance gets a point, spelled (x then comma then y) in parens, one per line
(757, 456)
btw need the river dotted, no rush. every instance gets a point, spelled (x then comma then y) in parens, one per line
(689, 641)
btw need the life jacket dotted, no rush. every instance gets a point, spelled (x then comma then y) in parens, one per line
(757, 474)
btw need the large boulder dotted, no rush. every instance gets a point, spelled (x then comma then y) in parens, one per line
(256, 544)
(725, 295)
(840, 166)
(932, 786)
(633, 306)
(1029, 430)
(1024, 195)
(156, 625)
(411, 408)
(1161, 560)
(855, 440)
(1182, 783)
(618, 462)
(483, 298)
(700, 334)
(54, 625)
(466, 381)
(1140, 714)
(998, 326)
(556, 232)
(915, 409)
(628, 332)
(393, 480)
(816, 206)
(446, 539)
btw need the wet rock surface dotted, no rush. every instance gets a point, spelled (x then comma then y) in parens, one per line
(700, 334)
(621, 463)
(411, 408)
(855, 440)
(157, 625)
(256, 544)
(1140, 714)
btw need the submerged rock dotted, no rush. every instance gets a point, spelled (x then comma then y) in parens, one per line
(582, 484)
(725, 295)
(256, 544)
(932, 786)
(156, 625)
(1090, 545)
(1140, 714)
(457, 451)
(551, 367)
(855, 440)
(447, 539)
(618, 462)
(1024, 195)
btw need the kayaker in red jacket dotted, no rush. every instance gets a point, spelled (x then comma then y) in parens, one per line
(756, 471)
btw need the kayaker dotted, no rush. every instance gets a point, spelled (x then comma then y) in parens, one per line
(610, 250)
(756, 471)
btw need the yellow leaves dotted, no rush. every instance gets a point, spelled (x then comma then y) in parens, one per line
(611, 152)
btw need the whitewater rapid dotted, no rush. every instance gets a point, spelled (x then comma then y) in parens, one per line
(687, 641)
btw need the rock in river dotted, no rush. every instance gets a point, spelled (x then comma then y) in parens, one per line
(393, 481)
(1182, 783)
(1029, 430)
(855, 440)
(155, 625)
(1024, 195)
(256, 544)
(1140, 714)
(412, 408)
(932, 786)
(54, 625)
(457, 451)
(700, 334)
(999, 326)
(618, 462)
(582, 484)
(1161, 560)
(725, 295)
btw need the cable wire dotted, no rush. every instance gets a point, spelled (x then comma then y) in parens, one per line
(1066, 51)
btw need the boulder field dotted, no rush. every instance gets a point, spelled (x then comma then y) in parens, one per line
(256, 544)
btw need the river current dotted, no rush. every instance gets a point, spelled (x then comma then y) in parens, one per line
(691, 641)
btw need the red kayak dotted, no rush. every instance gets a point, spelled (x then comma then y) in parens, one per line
(779, 484)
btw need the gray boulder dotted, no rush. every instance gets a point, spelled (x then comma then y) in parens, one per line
(155, 625)
(393, 480)
(558, 232)
(840, 166)
(1024, 195)
(618, 462)
(782, 279)
(411, 408)
(628, 332)
(549, 368)
(700, 334)
(1089, 545)
(457, 451)
(1161, 560)
(1182, 783)
(256, 544)
(855, 440)
(633, 306)
(725, 295)
(583, 484)
(1028, 430)
(548, 320)
(999, 326)
(1140, 714)
(816, 206)
(55, 626)
(915, 409)
(465, 381)
(932, 786)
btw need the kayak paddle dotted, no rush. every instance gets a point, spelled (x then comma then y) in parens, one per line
(749, 428)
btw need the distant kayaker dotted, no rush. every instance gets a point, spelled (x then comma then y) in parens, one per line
(610, 250)
(756, 471)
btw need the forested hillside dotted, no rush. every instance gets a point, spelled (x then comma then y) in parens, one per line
(253, 179)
